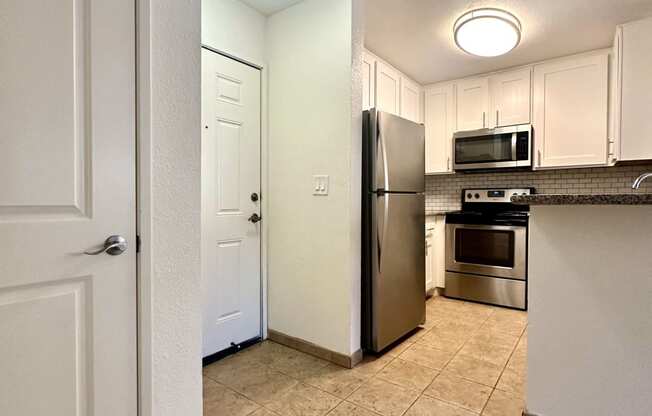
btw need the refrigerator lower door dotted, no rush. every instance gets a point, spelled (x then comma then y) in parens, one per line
(398, 267)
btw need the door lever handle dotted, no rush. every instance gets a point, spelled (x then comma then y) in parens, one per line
(113, 246)
(255, 218)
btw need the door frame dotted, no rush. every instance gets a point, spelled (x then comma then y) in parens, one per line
(147, 374)
(263, 181)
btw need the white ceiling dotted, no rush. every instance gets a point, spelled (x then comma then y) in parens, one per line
(268, 7)
(416, 35)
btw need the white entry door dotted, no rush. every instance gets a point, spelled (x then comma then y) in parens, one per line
(230, 202)
(67, 182)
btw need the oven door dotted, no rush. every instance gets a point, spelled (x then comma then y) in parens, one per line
(490, 250)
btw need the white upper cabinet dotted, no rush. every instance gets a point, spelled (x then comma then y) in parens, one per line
(410, 100)
(510, 98)
(570, 112)
(440, 125)
(633, 91)
(472, 104)
(368, 81)
(388, 88)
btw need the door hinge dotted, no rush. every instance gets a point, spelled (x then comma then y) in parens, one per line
(137, 244)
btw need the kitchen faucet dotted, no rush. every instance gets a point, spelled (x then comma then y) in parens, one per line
(640, 179)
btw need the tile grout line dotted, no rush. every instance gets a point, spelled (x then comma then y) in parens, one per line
(455, 354)
(503, 371)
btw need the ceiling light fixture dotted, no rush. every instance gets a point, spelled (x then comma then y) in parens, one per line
(487, 32)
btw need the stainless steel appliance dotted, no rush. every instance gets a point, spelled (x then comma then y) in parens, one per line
(393, 220)
(502, 147)
(487, 248)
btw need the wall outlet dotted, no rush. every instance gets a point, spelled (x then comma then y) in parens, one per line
(320, 184)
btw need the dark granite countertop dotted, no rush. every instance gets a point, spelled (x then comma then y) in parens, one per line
(576, 199)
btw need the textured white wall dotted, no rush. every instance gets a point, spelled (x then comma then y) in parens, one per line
(314, 128)
(169, 137)
(357, 48)
(590, 314)
(235, 28)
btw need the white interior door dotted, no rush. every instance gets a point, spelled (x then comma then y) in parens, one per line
(67, 182)
(230, 175)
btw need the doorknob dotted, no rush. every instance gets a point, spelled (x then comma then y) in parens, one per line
(255, 218)
(113, 246)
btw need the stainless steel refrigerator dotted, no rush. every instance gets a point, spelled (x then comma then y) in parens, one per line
(393, 228)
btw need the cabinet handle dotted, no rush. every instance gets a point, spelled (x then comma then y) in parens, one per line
(497, 118)
(484, 116)
(448, 164)
(539, 157)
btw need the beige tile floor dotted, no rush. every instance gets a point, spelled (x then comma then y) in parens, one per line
(468, 359)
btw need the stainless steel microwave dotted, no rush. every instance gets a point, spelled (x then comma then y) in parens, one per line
(498, 148)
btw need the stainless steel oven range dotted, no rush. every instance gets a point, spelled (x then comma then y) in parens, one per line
(487, 248)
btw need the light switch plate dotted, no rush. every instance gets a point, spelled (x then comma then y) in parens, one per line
(320, 185)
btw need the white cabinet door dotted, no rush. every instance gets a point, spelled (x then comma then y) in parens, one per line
(440, 251)
(571, 112)
(430, 257)
(472, 104)
(435, 243)
(440, 125)
(368, 81)
(388, 88)
(635, 91)
(510, 98)
(410, 100)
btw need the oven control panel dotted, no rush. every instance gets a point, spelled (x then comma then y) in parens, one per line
(494, 195)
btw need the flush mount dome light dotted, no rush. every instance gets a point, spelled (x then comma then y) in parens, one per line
(487, 32)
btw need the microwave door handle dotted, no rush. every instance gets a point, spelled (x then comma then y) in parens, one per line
(514, 158)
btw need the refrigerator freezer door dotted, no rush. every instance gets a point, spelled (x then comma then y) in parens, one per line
(398, 271)
(400, 154)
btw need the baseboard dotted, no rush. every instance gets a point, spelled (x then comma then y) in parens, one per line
(347, 361)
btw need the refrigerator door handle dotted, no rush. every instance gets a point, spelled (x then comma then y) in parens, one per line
(383, 152)
(381, 235)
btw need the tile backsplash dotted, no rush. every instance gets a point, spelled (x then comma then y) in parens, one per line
(443, 192)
